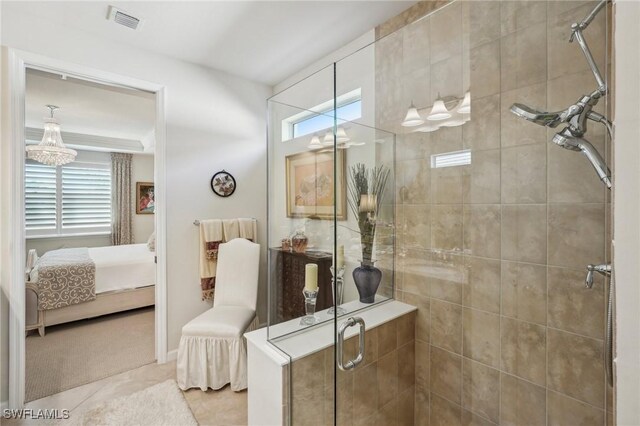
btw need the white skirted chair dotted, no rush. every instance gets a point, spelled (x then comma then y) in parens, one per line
(212, 349)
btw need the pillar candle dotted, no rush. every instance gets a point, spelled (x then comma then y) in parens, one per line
(368, 203)
(311, 277)
(340, 257)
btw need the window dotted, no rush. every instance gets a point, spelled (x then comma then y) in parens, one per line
(320, 117)
(349, 112)
(71, 199)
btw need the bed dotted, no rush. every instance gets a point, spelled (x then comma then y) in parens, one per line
(124, 280)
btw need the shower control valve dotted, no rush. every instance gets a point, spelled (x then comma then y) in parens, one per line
(604, 269)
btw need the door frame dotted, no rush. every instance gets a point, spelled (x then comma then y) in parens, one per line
(17, 64)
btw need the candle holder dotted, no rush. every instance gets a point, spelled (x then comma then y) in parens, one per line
(338, 287)
(310, 298)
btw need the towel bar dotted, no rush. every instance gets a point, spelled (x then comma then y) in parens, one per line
(197, 221)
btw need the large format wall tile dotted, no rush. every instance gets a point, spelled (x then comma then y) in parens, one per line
(524, 57)
(444, 413)
(481, 179)
(446, 374)
(576, 234)
(481, 224)
(482, 287)
(523, 350)
(480, 390)
(522, 403)
(493, 253)
(481, 337)
(572, 306)
(524, 292)
(516, 15)
(576, 366)
(524, 233)
(446, 326)
(524, 174)
(563, 410)
(483, 131)
(446, 227)
(485, 69)
(483, 25)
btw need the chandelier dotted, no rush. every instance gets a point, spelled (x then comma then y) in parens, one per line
(51, 151)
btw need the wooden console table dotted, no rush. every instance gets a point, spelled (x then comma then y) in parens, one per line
(288, 280)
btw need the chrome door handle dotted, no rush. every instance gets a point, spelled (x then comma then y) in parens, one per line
(351, 364)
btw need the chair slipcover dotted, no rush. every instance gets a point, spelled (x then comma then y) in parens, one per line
(212, 349)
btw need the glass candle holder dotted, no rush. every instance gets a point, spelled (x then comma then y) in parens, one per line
(310, 298)
(337, 290)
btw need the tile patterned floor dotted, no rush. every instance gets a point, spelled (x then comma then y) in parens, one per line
(214, 408)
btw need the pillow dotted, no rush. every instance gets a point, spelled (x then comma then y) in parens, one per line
(151, 242)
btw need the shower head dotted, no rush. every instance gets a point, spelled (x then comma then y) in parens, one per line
(566, 140)
(543, 118)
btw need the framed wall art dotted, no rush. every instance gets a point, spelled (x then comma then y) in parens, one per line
(223, 184)
(310, 187)
(145, 196)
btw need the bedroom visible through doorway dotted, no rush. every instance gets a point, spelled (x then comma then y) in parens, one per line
(89, 231)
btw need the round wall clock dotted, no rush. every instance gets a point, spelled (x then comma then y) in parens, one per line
(223, 184)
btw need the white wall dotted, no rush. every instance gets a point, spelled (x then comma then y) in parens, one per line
(626, 257)
(213, 121)
(141, 171)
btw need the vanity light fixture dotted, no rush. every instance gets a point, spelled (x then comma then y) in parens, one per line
(465, 105)
(51, 150)
(413, 117)
(341, 134)
(315, 143)
(439, 111)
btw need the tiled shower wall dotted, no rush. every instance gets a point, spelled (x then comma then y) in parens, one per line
(494, 253)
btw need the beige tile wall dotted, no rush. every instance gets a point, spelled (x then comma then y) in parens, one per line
(494, 253)
(380, 391)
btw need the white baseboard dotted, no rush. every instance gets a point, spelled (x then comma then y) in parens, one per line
(172, 355)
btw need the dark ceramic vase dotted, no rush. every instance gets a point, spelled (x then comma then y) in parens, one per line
(367, 279)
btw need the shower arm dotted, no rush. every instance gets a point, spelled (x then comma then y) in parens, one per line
(576, 34)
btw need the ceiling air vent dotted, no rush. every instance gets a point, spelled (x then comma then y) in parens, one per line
(123, 18)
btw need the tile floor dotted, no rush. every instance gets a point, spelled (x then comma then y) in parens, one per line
(215, 408)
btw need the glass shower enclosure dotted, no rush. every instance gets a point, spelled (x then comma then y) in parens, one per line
(479, 222)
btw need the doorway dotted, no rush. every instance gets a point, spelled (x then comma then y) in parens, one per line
(21, 66)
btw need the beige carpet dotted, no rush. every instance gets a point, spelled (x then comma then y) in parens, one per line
(81, 352)
(159, 405)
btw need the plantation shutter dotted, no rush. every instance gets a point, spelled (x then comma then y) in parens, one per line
(40, 198)
(86, 198)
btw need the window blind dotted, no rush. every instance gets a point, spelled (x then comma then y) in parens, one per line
(40, 198)
(86, 197)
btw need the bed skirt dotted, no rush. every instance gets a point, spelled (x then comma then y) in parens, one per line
(212, 362)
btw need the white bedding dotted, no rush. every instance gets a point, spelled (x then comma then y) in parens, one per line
(123, 267)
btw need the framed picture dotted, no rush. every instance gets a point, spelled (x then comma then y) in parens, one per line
(310, 185)
(146, 198)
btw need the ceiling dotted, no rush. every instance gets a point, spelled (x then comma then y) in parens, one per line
(92, 112)
(264, 41)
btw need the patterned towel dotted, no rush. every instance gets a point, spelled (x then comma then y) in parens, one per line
(210, 238)
(214, 232)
